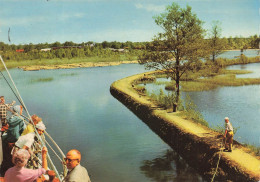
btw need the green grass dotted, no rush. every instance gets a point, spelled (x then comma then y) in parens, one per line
(57, 61)
(210, 83)
(230, 80)
(194, 86)
(254, 149)
(42, 80)
(69, 74)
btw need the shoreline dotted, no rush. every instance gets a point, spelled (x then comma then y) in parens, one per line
(75, 65)
(197, 144)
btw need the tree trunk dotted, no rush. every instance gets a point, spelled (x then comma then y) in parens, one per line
(175, 104)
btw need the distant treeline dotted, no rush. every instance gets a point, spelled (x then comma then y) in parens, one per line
(88, 49)
(70, 50)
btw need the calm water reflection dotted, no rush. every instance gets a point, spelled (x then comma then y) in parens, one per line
(169, 167)
(79, 112)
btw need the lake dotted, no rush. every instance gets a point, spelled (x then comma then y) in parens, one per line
(79, 112)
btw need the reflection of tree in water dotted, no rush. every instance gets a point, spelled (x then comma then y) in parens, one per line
(169, 167)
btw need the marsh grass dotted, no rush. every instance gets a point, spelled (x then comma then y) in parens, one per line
(212, 82)
(161, 82)
(191, 112)
(253, 148)
(194, 86)
(69, 74)
(230, 80)
(41, 80)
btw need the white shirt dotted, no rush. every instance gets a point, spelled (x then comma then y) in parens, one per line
(26, 140)
(229, 127)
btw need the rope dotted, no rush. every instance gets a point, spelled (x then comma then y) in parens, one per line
(10, 86)
(53, 151)
(21, 101)
(221, 151)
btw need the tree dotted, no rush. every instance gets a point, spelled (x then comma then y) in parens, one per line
(216, 46)
(177, 47)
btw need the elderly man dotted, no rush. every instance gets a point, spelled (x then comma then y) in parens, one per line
(228, 136)
(77, 173)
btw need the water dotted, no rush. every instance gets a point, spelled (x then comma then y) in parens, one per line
(235, 53)
(79, 112)
(241, 104)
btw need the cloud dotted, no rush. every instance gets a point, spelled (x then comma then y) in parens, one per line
(69, 16)
(27, 20)
(150, 7)
(22, 20)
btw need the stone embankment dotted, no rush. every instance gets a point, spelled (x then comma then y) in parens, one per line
(74, 65)
(198, 145)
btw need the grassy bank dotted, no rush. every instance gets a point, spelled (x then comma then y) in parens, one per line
(57, 61)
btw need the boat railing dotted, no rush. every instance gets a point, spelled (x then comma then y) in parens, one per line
(42, 143)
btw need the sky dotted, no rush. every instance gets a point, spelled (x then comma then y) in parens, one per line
(41, 21)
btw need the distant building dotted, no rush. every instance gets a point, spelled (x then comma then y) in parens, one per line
(19, 50)
(118, 50)
(46, 49)
(67, 47)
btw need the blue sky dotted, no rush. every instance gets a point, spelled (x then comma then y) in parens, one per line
(40, 21)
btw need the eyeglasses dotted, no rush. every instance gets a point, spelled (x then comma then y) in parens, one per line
(69, 160)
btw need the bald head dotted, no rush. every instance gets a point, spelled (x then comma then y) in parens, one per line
(75, 154)
(73, 158)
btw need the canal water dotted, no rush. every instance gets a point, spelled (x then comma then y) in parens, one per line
(79, 112)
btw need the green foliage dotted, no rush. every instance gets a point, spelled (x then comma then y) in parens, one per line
(216, 45)
(166, 101)
(253, 148)
(178, 46)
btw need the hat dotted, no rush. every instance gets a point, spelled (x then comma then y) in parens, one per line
(17, 108)
(40, 126)
(226, 118)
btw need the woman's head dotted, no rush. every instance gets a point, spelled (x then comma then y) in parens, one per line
(40, 127)
(18, 109)
(20, 157)
(36, 119)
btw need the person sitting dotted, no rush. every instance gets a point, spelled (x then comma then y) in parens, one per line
(26, 141)
(29, 128)
(16, 125)
(76, 172)
(19, 173)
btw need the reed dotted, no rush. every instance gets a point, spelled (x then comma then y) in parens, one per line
(42, 80)
(191, 112)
